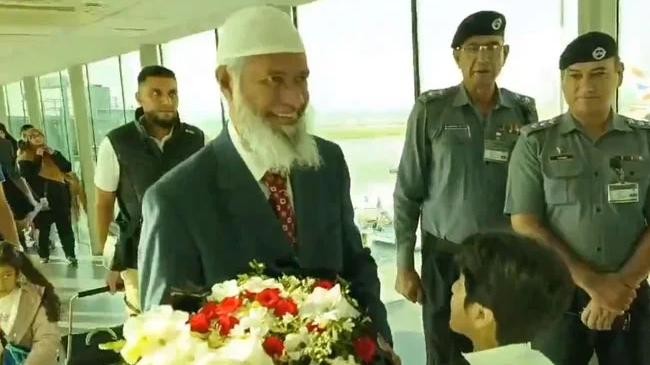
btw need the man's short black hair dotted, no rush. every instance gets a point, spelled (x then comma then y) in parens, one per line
(155, 71)
(527, 286)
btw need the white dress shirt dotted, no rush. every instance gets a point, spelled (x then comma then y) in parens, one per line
(517, 354)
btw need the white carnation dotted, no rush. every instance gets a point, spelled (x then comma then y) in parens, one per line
(324, 305)
(225, 290)
(256, 284)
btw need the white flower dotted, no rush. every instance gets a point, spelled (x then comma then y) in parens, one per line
(184, 350)
(152, 331)
(328, 305)
(294, 343)
(343, 361)
(258, 321)
(240, 351)
(256, 284)
(224, 290)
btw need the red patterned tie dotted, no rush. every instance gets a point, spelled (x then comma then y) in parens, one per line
(281, 205)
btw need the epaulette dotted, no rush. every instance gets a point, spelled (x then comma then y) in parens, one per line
(532, 128)
(635, 123)
(435, 94)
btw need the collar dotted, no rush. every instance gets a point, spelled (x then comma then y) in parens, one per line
(251, 161)
(499, 355)
(569, 124)
(462, 98)
(143, 131)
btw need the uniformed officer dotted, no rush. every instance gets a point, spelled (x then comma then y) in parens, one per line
(452, 173)
(579, 184)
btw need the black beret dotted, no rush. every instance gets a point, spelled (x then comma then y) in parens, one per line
(589, 47)
(481, 23)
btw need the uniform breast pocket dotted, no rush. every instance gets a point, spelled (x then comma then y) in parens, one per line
(636, 171)
(456, 135)
(561, 178)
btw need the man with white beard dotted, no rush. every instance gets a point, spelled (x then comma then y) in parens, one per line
(263, 190)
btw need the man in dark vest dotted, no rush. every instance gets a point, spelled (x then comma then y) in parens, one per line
(130, 159)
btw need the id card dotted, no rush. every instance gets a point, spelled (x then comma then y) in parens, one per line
(622, 193)
(496, 151)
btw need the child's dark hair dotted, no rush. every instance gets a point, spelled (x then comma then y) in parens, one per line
(10, 256)
(526, 285)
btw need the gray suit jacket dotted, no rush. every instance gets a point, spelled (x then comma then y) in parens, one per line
(207, 219)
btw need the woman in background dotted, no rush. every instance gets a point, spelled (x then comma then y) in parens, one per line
(29, 310)
(45, 170)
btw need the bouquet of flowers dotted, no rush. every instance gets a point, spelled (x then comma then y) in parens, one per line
(257, 320)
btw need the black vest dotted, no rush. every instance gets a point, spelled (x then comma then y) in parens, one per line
(142, 163)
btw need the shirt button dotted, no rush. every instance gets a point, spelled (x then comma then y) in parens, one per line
(598, 209)
(599, 249)
(596, 174)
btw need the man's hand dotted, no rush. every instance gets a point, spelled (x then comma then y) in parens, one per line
(49, 150)
(114, 281)
(384, 346)
(598, 318)
(610, 291)
(40, 151)
(409, 285)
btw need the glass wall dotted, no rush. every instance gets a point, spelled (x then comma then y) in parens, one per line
(536, 43)
(55, 111)
(106, 97)
(361, 86)
(194, 61)
(130, 64)
(16, 110)
(634, 46)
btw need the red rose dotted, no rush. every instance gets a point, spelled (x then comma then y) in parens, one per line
(226, 324)
(274, 347)
(365, 348)
(325, 284)
(228, 306)
(284, 306)
(210, 311)
(200, 323)
(268, 297)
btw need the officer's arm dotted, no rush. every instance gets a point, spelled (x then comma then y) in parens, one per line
(410, 189)
(637, 268)
(525, 203)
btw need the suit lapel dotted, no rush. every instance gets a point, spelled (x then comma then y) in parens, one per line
(305, 185)
(247, 204)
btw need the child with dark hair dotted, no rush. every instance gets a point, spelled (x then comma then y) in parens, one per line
(510, 288)
(29, 310)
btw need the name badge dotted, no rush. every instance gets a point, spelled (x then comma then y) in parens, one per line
(455, 128)
(496, 151)
(621, 193)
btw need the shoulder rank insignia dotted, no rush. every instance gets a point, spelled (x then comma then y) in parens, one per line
(434, 94)
(531, 128)
(635, 123)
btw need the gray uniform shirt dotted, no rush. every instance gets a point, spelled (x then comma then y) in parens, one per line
(560, 175)
(444, 174)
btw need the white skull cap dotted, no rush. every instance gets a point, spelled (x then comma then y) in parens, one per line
(257, 30)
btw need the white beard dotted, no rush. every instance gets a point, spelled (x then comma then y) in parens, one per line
(280, 150)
